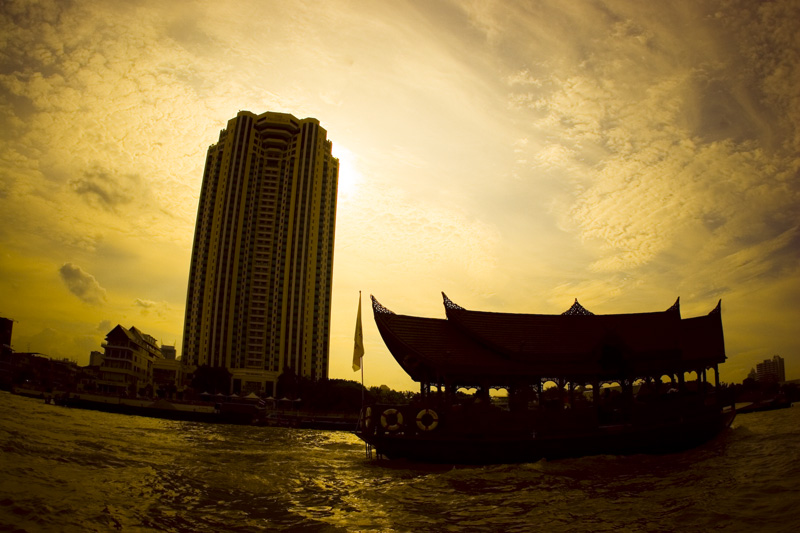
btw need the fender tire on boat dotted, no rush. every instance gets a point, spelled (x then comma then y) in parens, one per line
(432, 415)
(398, 419)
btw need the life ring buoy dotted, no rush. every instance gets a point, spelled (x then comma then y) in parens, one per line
(391, 419)
(368, 417)
(427, 420)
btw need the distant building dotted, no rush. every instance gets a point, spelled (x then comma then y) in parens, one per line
(169, 352)
(6, 366)
(128, 360)
(771, 370)
(38, 371)
(6, 326)
(95, 358)
(168, 377)
(259, 294)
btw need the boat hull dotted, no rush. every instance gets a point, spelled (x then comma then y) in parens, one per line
(486, 448)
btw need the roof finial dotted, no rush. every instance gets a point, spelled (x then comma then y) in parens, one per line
(378, 309)
(450, 304)
(577, 309)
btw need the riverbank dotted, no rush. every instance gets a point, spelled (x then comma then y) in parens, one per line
(217, 411)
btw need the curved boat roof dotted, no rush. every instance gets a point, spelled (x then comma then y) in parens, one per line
(470, 347)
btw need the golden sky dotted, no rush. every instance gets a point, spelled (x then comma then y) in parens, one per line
(516, 155)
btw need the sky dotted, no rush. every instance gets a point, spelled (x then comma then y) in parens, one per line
(515, 155)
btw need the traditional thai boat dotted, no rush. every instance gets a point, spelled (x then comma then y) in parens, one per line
(577, 384)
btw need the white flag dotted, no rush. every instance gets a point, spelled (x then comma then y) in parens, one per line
(358, 350)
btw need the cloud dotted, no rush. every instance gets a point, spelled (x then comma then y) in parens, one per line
(106, 188)
(518, 150)
(82, 284)
(146, 306)
(523, 77)
(58, 343)
(669, 145)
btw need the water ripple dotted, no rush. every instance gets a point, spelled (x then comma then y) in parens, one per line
(72, 470)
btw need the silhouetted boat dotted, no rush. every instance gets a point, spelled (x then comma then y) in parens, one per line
(582, 354)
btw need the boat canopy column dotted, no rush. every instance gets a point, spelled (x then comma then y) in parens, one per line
(483, 392)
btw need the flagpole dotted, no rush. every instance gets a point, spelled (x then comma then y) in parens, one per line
(358, 364)
(358, 349)
(361, 359)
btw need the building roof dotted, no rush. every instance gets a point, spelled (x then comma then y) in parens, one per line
(135, 335)
(470, 347)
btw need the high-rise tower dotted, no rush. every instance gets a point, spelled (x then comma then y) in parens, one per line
(259, 296)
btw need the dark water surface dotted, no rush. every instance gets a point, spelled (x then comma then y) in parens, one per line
(65, 469)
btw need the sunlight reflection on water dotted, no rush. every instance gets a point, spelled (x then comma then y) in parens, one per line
(73, 470)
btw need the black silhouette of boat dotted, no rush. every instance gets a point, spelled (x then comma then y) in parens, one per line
(576, 384)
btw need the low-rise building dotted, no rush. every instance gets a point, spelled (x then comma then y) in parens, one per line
(38, 371)
(168, 377)
(128, 361)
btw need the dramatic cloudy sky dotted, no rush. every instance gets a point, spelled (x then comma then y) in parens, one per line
(516, 155)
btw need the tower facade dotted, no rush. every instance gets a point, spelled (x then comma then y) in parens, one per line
(259, 295)
(773, 370)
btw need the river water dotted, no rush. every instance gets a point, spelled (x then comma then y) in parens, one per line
(66, 469)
